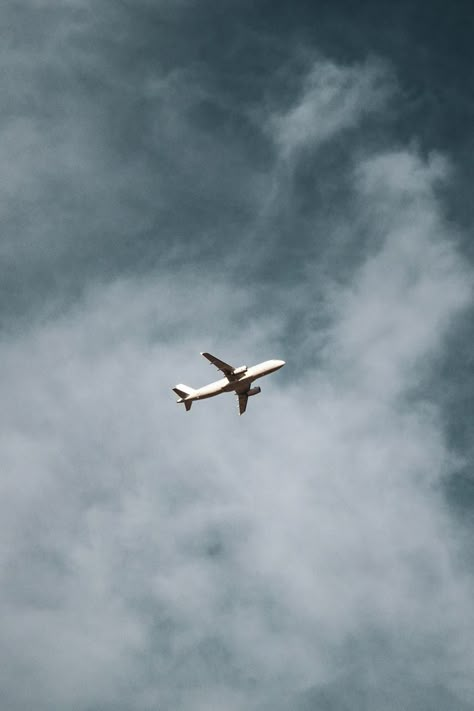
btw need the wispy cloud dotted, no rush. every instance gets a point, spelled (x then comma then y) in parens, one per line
(333, 98)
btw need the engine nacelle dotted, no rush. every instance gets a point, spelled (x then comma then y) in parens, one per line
(239, 371)
(254, 391)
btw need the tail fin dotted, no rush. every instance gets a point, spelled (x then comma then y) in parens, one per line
(184, 391)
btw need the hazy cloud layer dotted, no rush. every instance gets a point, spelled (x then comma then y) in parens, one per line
(303, 556)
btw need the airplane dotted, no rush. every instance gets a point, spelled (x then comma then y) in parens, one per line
(238, 380)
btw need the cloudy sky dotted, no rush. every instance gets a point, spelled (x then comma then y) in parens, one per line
(260, 180)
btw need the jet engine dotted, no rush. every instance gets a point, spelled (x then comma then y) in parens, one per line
(254, 391)
(239, 371)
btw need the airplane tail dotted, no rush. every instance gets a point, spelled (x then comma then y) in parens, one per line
(184, 391)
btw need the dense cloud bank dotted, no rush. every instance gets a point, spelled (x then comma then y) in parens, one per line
(306, 555)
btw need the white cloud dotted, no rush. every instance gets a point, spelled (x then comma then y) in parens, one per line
(334, 98)
(406, 292)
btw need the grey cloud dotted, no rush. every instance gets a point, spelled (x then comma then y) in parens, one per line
(424, 279)
(302, 556)
(333, 98)
(308, 204)
(109, 165)
(244, 573)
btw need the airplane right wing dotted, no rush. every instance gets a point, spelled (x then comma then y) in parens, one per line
(225, 368)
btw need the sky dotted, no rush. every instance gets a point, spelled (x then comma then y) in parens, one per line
(258, 180)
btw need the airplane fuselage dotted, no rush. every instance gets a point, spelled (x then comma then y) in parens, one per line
(239, 383)
(237, 380)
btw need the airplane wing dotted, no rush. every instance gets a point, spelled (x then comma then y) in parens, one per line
(227, 369)
(243, 399)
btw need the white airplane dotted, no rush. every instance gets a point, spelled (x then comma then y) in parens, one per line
(238, 380)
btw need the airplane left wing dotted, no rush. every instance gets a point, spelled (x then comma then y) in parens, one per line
(225, 368)
(243, 399)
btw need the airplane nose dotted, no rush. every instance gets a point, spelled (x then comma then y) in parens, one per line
(280, 363)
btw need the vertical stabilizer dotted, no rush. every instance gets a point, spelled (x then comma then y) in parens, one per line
(184, 392)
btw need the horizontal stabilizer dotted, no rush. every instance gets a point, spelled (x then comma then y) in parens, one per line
(183, 390)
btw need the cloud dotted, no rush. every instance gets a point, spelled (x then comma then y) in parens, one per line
(409, 288)
(334, 98)
(159, 558)
(108, 165)
(303, 554)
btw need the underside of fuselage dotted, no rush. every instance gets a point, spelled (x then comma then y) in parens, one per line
(232, 386)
